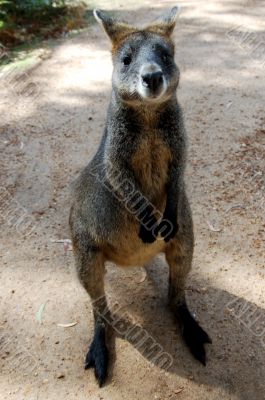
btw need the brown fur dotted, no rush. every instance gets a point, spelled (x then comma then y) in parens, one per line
(121, 38)
(150, 164)
(144, 143)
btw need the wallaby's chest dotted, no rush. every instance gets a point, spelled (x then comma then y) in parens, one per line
(150, 163)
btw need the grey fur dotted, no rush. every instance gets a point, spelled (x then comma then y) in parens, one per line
(106, 224)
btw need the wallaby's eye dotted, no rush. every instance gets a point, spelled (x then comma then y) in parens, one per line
(166, 58)
(127, 60)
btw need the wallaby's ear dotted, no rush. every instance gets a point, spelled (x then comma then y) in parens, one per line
(114, 29)
(166, 24)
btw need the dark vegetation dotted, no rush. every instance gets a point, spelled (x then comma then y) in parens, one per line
(25, 21)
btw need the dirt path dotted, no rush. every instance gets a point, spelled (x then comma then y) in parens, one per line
(47, 138)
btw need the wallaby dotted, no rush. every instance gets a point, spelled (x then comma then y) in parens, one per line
(129, 202)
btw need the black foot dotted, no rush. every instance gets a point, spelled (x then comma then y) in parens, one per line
(97, 356)
(194, 336)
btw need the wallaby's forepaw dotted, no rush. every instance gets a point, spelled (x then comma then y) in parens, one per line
(194, 336)
(168, 230)
(97, 356)
(147, 236)
(148, 225)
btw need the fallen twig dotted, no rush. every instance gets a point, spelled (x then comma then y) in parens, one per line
(67, 244)
(67, 325)
(40, 312)
(234, 206)
(61, 241)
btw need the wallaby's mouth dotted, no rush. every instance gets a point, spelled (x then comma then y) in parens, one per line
(152, 84)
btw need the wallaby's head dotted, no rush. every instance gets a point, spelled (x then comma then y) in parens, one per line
(143, 59)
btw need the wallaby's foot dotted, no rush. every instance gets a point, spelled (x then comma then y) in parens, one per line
(194, 336)
(98, 356)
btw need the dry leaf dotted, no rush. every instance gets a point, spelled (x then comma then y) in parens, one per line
(67, 325)
(178, 390)
(143, 277)
(213, 228)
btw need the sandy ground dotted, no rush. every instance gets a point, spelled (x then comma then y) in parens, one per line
(49, 133)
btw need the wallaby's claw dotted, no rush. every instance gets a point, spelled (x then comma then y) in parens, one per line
(148, 225)
(168, 227)
(147, 236)
(168, 231)
(170, 235)
(97, 358)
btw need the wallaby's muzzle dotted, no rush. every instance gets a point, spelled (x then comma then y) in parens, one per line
(152, 82)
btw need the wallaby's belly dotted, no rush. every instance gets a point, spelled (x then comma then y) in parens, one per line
(150, 164)
(117, 232)
(136, 253)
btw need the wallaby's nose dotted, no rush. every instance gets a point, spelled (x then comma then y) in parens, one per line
(152, 80)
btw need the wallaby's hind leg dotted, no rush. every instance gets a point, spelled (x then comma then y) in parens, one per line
(179, 257)
(90, 268)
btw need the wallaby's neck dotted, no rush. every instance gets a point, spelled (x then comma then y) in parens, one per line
(148, 114)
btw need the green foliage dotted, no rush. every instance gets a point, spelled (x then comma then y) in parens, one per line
(24, 20)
